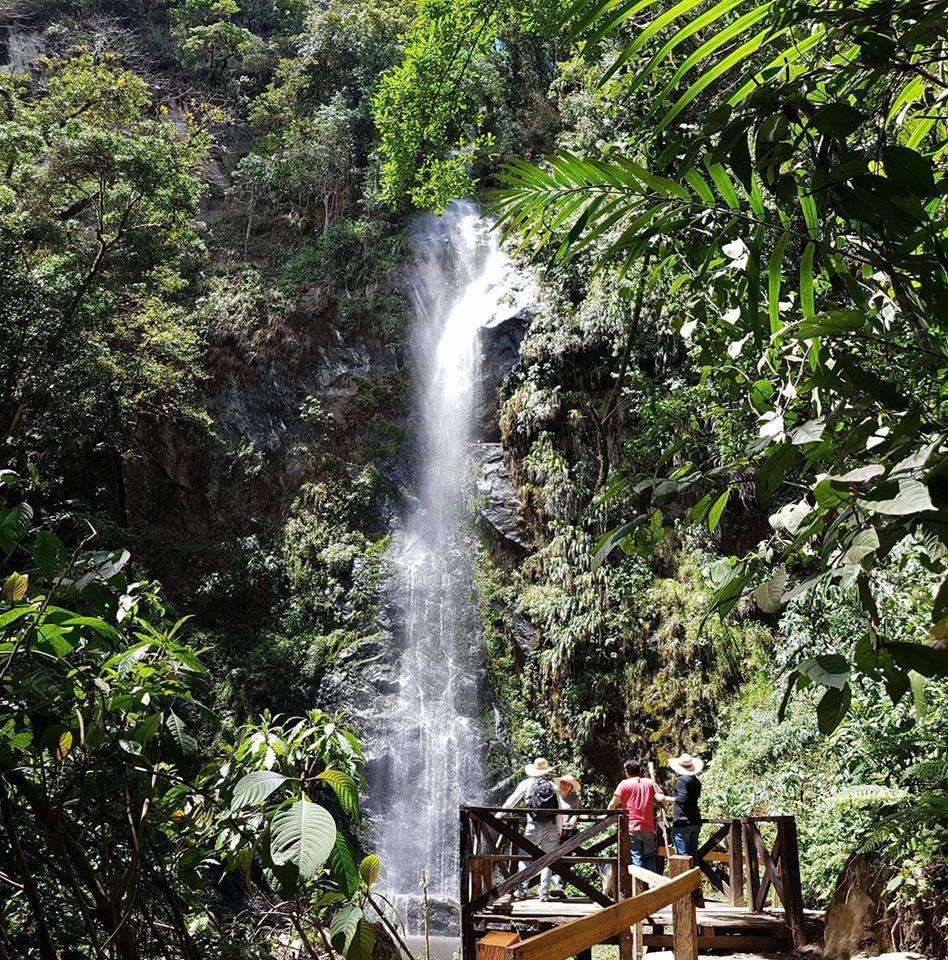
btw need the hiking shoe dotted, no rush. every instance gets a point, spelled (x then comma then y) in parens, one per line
(558, 893)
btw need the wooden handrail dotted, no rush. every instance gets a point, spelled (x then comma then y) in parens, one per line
(581, 811)
(578, 935)
(648, 876)
(540, 863)
(531, 849)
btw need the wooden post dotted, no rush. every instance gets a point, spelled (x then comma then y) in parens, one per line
(494, 944)
(735, 865)
(638, 946)
(790, 877)
(751, 868)
(684, 915)
(468, 947)
(623, 880)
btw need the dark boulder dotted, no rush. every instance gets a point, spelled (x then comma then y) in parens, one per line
(498, 504)
(499, 342)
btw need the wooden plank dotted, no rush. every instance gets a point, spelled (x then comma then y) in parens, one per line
(493, 945)
(624, 882)
(468, 944)
(771, 876)
(735, 871)
(511, 833)
(647, 876)
(516, 858)
(684, 920)
(541, 863)
(713, 856)
(610, 922)
(638, 944)
(623, 856)
(792, 888)
(601, 845)
(736, 944)
(716, 879)
(708, 846)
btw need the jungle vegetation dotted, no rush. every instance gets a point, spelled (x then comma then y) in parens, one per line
(727, 433)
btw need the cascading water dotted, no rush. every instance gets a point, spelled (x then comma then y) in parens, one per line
(433, 740)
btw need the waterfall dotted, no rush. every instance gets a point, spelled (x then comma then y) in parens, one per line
(433, 740)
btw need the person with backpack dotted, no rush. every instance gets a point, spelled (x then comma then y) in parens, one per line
(538, 793)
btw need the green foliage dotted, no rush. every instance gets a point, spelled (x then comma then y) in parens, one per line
(426, 106)
(207, 35)
(764, 147)
(95, 233)
(109, 779)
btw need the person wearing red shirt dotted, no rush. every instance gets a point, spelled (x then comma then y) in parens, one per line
(638, 795)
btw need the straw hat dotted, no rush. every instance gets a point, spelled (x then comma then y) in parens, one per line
(539, 768)
(687, 765)
(568, 778)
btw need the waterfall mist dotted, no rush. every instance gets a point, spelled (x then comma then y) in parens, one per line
(433, 740)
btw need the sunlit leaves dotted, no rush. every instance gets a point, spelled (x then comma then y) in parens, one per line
(15, 587)
(370, 869)
(253, 788)
(304, 835)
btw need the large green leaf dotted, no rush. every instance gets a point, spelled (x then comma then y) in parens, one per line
(14, 522)
(254, 788)
(911, 497)
(369, 869)
(343, 927)
(828, 669)
(929, 661)
(832, 708)
(342, 866)
(180, 735)
(362, 946)
(345, 789)
(303, 834)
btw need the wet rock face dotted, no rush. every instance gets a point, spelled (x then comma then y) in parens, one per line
(498, 505)
(499, 342)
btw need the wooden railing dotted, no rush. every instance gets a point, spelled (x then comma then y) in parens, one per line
(755, 862)
(752, 862)
(493, 846)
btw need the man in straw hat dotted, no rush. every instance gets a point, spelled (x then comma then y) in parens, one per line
(686, 822)
(539, 794)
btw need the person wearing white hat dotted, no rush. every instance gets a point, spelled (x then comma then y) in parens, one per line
(686, 822)
(538, 792)
(568, 826)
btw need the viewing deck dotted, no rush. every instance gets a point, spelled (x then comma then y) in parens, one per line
(751, 864)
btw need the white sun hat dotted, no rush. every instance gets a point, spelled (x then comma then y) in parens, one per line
(687, 765)
(539, 768)
(569, 778)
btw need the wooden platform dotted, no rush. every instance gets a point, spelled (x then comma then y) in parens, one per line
(720, 925)
(749, 865)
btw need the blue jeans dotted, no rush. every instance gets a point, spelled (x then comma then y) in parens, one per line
(686, 840)
(643, 848)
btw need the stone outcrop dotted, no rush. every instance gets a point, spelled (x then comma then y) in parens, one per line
(499, 342)
(498, 505)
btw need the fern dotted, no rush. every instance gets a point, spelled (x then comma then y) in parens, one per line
(929, 772)
(864, 795)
